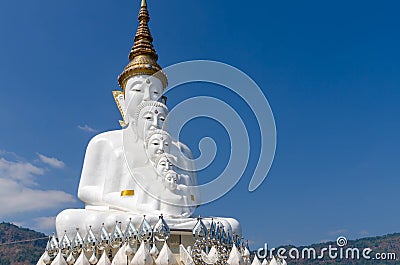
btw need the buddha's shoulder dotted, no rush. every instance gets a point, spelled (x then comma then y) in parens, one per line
(112, 139)
(182, 148)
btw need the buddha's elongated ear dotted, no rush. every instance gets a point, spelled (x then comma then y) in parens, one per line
(120, 101)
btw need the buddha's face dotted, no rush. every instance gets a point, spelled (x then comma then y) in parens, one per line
(163, 165)
(171, 180)
(150, 118)
(141, 88)
(157, 145)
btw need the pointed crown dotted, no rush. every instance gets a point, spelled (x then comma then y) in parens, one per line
(143, 57)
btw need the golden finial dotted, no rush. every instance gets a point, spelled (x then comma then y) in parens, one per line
(143, 57)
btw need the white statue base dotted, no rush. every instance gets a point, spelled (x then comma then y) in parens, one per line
(70, 219)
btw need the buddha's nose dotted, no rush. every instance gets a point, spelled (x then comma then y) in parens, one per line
(156, 123)
(162, 146)
(146, 95)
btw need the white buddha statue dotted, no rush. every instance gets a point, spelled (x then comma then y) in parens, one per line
(120, 178)
(157, 142)
(177, 183)
(105, 153)
(163, 164)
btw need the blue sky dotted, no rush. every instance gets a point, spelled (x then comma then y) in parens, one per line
(330, 70)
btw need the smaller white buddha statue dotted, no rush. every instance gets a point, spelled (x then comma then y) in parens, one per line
(157, 142)
(149, 116)
(173, 182)
(163, 164)
(170, 180)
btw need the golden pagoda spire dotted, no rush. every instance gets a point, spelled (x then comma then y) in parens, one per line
(143, 57)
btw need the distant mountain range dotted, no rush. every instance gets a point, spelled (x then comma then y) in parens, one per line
(23, 253)
(27, 252)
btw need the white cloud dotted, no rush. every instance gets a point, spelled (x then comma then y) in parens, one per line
(23, 172)
(46, 224)
(17, 194)
(87, 128)
(364, 233)
(16, 198)
(51, 161)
